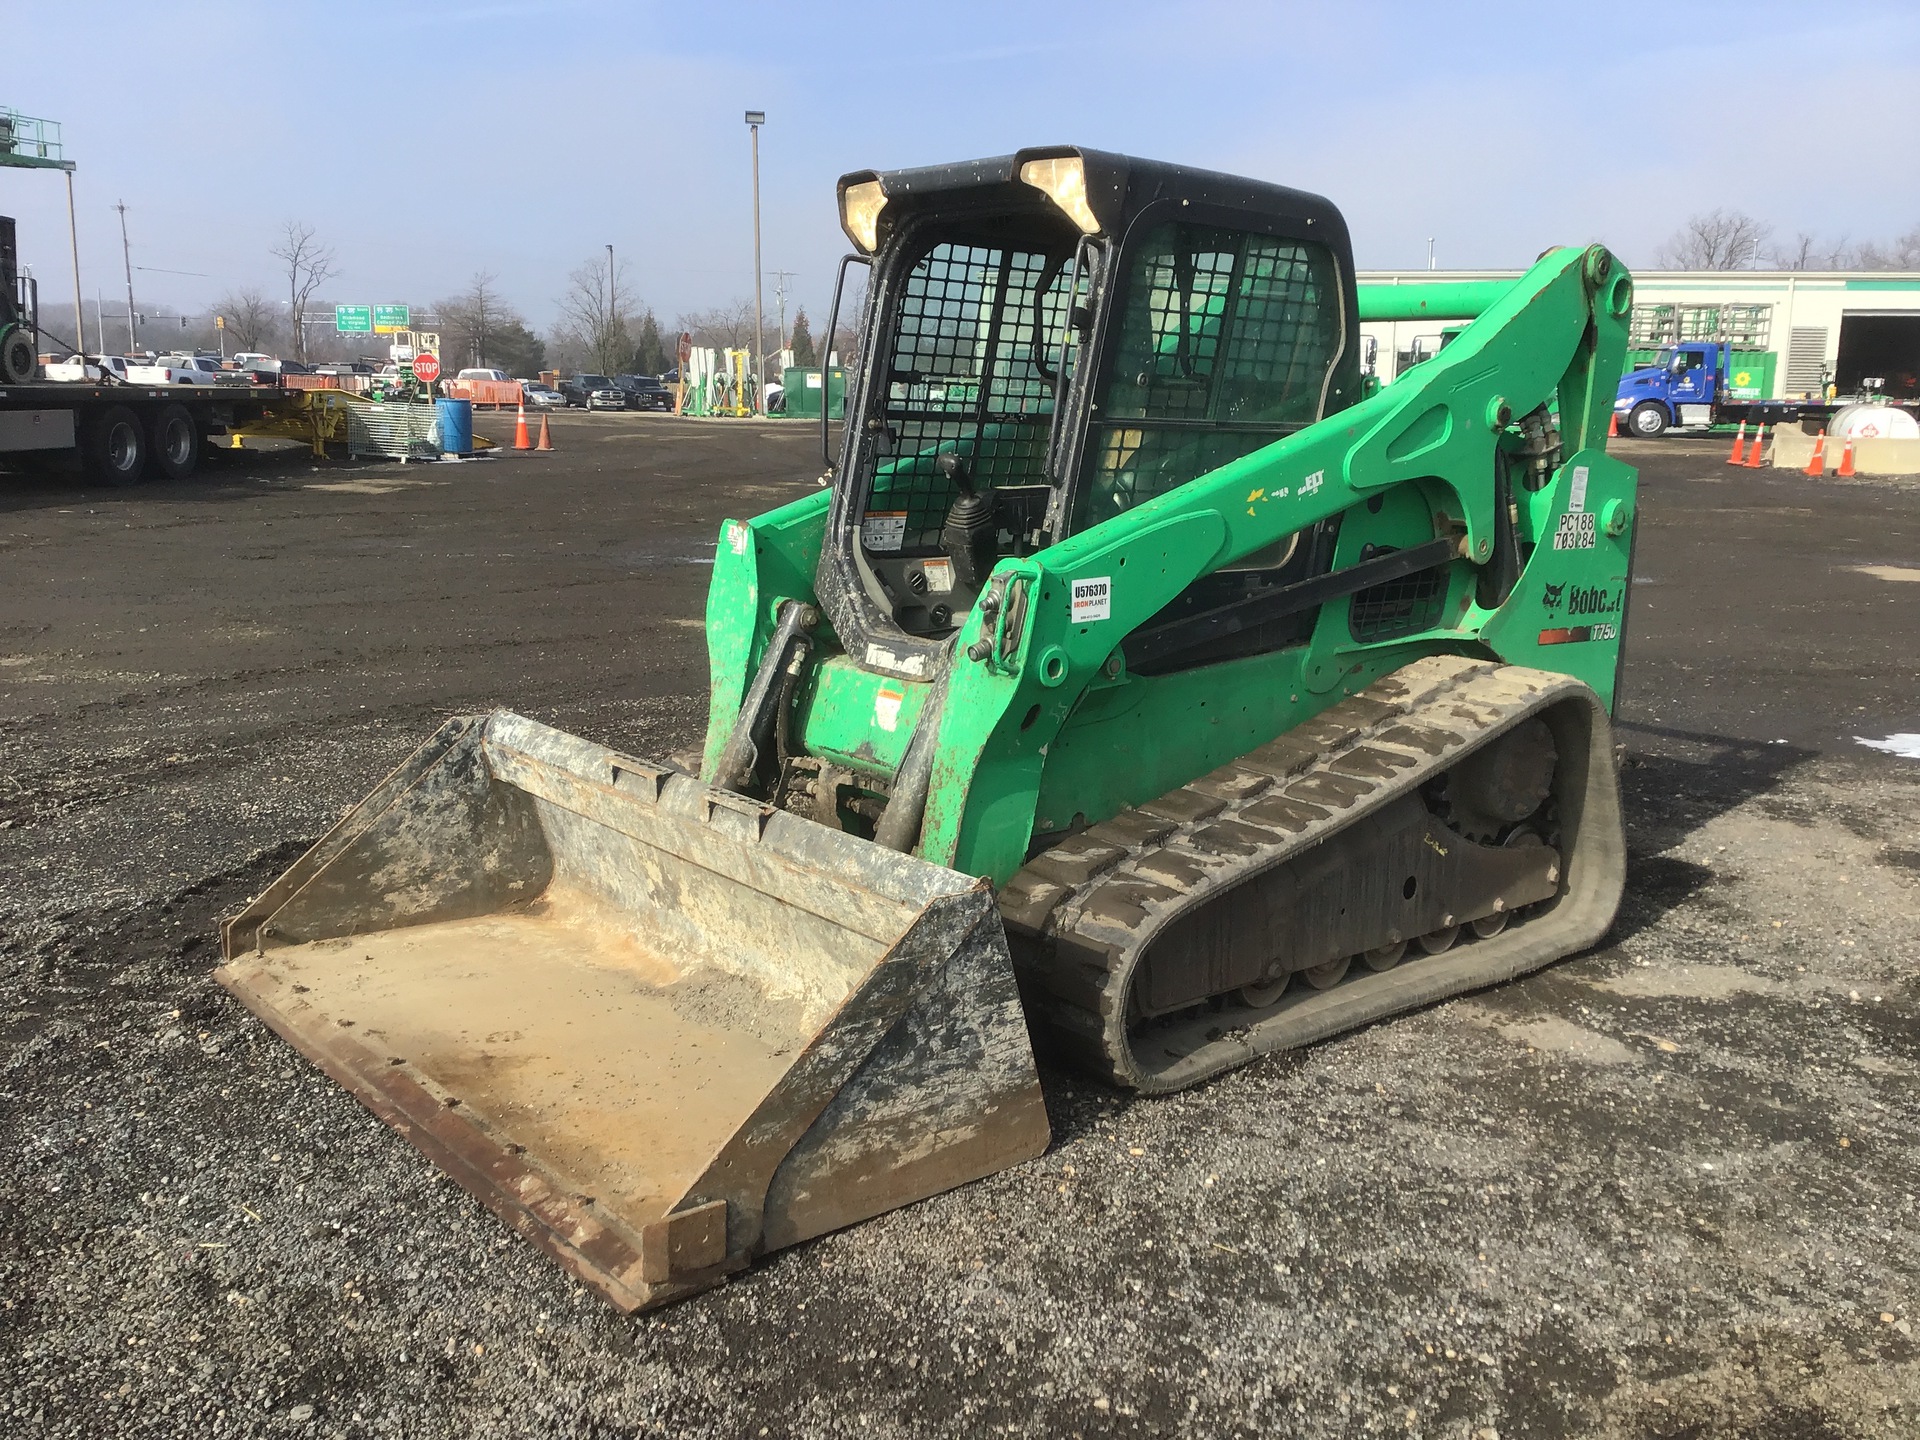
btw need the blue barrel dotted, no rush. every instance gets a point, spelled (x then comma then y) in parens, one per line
(456, 426)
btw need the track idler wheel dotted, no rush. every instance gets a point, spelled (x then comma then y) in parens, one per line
(1265, 993)
(1438, 942)
(1325, 977)
(1384, 957)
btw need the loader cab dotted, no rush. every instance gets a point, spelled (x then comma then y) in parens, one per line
(1048, 340)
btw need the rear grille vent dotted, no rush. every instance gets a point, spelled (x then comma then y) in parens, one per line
(1806, 359)
(1398, 607)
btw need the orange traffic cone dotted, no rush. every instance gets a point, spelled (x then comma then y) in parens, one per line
(1818, 464)
(1739, 446)
(1753, 450)
(520, 440)
(546, 439)
(1845, 472)
(1613, 426)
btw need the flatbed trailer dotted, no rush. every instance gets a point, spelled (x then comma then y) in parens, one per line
(1788, 412)
(124, 434)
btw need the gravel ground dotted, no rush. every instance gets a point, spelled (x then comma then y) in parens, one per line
(1664, 1189)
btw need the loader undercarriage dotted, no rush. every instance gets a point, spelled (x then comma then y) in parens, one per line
(1309, 886)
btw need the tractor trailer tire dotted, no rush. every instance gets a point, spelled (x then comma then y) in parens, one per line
(115, 446)
(174, 442)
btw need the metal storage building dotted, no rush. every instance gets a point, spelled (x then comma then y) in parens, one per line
(1792, 330)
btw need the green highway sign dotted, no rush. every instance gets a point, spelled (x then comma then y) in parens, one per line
(353, 319)
(390, 318)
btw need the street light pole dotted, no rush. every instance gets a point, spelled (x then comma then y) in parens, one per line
(126, 255)
(755, 119)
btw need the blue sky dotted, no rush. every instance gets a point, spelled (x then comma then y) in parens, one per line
(427, 141)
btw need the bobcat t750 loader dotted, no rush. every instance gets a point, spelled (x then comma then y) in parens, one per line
(1150, 683)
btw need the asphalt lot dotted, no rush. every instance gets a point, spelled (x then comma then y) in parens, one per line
(1664, 1189)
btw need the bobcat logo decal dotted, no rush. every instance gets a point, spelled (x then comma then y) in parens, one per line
(1550, 595)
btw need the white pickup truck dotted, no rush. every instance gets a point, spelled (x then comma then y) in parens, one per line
(90, 368)
(176, 370)
(165, 370)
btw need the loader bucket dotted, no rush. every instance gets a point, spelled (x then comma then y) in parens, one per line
(658, 1028)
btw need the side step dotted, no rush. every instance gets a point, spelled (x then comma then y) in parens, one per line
(1081, 917)
(658, 1028)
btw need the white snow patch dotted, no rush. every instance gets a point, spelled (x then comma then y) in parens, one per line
(1907, 747)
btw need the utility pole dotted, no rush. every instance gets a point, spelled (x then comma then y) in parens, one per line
(79, 311)
(755, 119)
(99, 322)
(1429, 252)
(126, 255)
(780, 279)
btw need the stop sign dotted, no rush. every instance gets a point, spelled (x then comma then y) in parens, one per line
(426, 367)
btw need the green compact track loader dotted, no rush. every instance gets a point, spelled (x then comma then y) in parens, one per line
(1150, 683)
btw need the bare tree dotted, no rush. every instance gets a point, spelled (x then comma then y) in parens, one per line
(1717, 240)
(724, 327)
(593, 315)
(471, 321)
(310, 265)
(1902, 253)
(249, 316)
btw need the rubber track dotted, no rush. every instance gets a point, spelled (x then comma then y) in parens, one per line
(1080, 915)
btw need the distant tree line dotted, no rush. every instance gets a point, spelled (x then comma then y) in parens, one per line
(1734, 240)
(603, 325)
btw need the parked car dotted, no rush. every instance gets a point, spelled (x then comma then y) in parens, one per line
(541, 397)
(252, 374)
(645, 392)
(344, 367)
(608, 397)
(578, 387)
(483, 374)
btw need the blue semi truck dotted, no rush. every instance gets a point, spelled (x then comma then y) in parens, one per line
(1695, 385)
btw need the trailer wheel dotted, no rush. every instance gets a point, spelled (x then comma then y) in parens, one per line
(116, 446)
(175, 442)
(1648, 420)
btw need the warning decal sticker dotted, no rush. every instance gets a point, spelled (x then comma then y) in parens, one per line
(1577, 497)
(883, 529)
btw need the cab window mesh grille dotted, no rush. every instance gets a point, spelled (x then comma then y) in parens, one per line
(1227, 340)
(965, 371)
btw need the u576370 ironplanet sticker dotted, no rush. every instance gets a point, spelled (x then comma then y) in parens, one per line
(1092, 599)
